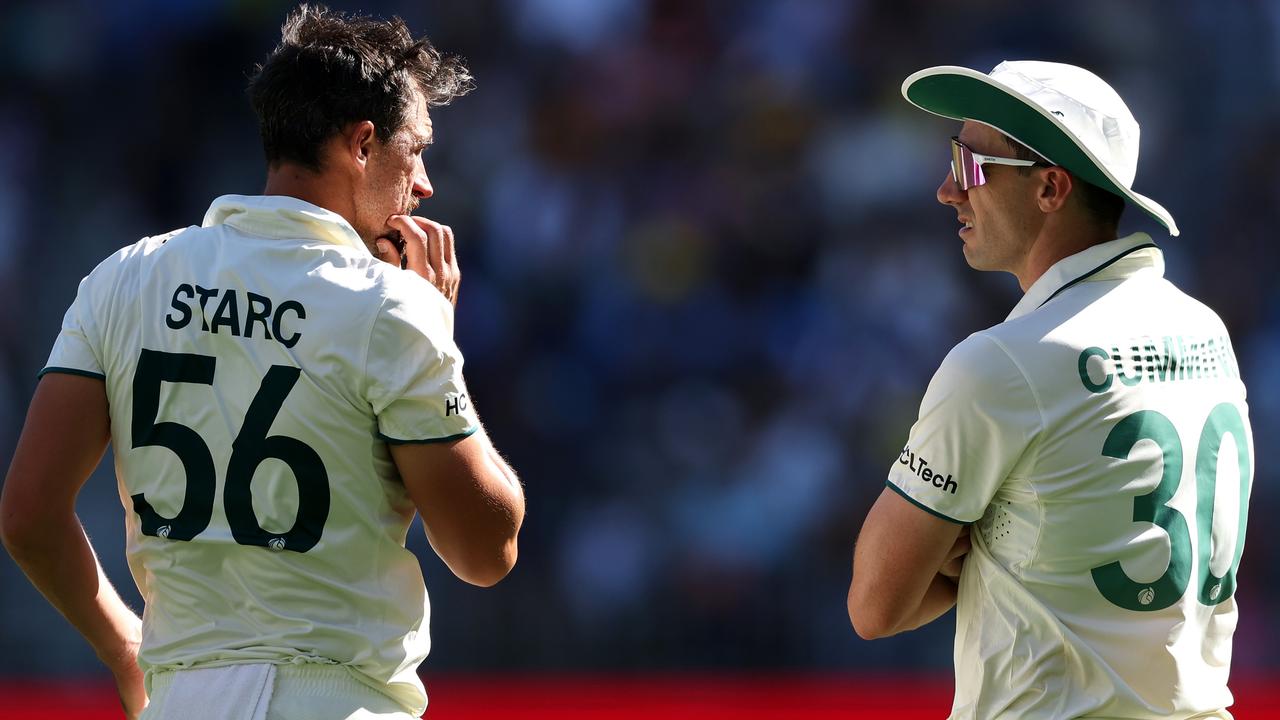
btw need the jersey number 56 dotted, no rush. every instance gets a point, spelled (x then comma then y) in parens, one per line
(251, 447)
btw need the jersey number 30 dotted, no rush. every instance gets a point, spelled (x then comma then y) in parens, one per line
(250, 448)
(1111, 580)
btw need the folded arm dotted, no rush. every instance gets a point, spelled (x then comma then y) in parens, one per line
(471, 503)
(905, 567)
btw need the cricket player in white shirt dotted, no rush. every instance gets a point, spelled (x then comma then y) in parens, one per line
(281, 397)
(1097, 441)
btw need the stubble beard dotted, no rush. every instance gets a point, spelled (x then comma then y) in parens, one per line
(981, 257)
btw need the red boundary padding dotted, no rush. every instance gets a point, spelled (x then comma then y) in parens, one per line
(690, 697)
(628, 697)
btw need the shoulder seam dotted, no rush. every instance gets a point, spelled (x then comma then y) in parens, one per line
(166, 237)
(1035, 547)
(368, 344)
(128, 254)
(1021, 371)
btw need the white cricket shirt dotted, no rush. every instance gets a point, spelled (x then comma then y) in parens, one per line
(1099, 441)
(256, 368)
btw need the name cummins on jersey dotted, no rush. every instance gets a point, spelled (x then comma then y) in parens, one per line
(256, 368)
(1099, 441)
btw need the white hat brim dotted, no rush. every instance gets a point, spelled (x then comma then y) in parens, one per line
(960, 93)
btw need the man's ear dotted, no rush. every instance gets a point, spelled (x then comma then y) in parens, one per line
(1056, 185)
(358, 142)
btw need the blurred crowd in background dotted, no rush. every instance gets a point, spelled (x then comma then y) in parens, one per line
(706, 280)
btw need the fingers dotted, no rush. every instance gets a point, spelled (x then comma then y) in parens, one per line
(954, 561)
(429, 251)
(448, 247)
(449, 264)
(441, 257)
(415, 247)
(952, 568)
(435, 244)
(386, 252)
(961, 547)
(132, 691)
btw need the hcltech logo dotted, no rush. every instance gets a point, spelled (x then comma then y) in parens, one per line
(920, 467)
(455, 404)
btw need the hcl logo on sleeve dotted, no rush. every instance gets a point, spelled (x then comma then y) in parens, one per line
(920, 467)
(455, 404)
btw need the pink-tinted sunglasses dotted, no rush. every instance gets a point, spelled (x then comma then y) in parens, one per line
(966, 165)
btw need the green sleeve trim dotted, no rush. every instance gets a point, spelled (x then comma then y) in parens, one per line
(921, 505)
(427, 441)
(70, 371)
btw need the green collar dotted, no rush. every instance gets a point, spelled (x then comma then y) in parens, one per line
(1114, 260)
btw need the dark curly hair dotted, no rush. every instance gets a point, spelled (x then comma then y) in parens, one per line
(332, 69)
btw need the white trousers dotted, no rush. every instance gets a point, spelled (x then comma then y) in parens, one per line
(261, 691)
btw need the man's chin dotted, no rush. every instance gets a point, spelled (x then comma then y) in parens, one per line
(370, 238)
(975, 259)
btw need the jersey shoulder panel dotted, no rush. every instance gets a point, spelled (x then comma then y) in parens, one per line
(413, 367)
(82, 345)
(110, 268)
(977, 420)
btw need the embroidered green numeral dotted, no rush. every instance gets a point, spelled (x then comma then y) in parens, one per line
(1111, 579)
(1223, 420)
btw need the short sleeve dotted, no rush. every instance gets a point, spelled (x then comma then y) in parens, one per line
(414, 369)
(77, 350)
(978, 417)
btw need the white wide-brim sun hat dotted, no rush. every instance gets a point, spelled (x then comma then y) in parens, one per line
(1066, 114)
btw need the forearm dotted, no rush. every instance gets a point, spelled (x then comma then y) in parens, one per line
(904, 567)
(938, 599)
(57, 557)
(67, 429)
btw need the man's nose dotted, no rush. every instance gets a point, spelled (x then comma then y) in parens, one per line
(421, 183)
(949, 193)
